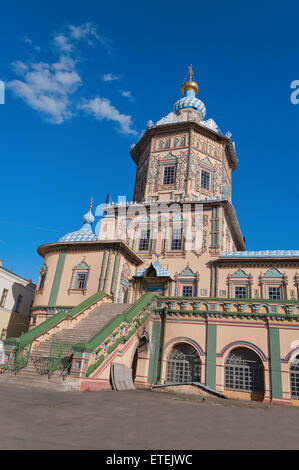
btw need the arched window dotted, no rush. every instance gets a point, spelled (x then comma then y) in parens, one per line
(244, 371)
(294, 377)
(183, 365)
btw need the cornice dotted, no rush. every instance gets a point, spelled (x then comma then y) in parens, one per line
(185, 126)
(97, 245)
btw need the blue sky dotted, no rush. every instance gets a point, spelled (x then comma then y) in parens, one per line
(82, 80)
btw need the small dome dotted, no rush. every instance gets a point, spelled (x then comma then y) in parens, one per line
(85, 234)
(190, 102)
(189, 90)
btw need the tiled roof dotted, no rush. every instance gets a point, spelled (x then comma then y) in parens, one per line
(160, 271)
(261, 254)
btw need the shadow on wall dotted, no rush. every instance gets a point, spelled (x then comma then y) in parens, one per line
(19, 319)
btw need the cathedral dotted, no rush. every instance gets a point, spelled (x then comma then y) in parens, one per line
(166, 293)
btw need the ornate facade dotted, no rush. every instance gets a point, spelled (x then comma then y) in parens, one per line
(217, 313)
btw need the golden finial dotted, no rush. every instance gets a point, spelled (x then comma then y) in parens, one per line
(91, 202)
(191, 83)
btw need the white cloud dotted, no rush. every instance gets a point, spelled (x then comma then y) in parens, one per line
(110, 77)
(62, 42)
(101, 108)
(84, 30)
(19, 67)
(27, 40)
(126, 94)
(47, 87)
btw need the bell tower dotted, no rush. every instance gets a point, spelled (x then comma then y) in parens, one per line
(184, 157)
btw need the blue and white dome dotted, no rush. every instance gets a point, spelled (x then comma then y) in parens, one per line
(85, 234)
(190, 101)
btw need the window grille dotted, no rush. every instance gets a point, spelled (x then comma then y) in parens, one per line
(176, 242)
(183, 365)
(169, 175)
(144, 240)
(205, 179)
(294, 377)
(81, 281)
(240, 292)
(274, 293)
(187, 291)
(244, 371)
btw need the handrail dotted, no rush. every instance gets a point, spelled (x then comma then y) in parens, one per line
(31, 335)
(108, 329)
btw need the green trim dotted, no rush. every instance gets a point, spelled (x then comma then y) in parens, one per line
(230, 299)
(154, 356)
(31, 335)
(57, 278)
(101, 280)
(108, 329)
(115, 274)
(276, 382)
(211, 356)
(106, 279)
(100, 337)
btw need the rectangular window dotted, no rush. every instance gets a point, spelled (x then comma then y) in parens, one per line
(274, 293)
(81, 279)
(205, 179)
(176, 242)
(169, 175)
(18, 305)
(240, 292)
(3, 297)
(187, 291)
(144, 240)
(223, 293)
(42, 281)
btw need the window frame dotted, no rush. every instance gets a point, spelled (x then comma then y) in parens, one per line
(209, 173)
(3, 297)
(165, 168)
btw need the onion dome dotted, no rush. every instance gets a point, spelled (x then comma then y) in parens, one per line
(85, 234)
(190, 90)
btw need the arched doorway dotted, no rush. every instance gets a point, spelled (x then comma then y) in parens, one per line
(183, 365)
(294, 377)
(244, 372)
(139, 355)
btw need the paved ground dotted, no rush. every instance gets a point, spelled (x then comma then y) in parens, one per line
(42, 419)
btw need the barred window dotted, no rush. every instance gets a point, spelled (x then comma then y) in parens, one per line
(274, 293)
(205, 179)
(176, 242)
(244, 371)
(169, 175)
(81, 279)
(183, 365)
(294, 377)
(187, 291)
(144, 240)
(240, 292)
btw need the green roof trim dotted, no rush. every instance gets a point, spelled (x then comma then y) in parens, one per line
(273, 272)
(108, 329)
(240, 273)
(31, 335)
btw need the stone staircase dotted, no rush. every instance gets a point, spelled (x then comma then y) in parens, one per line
(32, 374)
